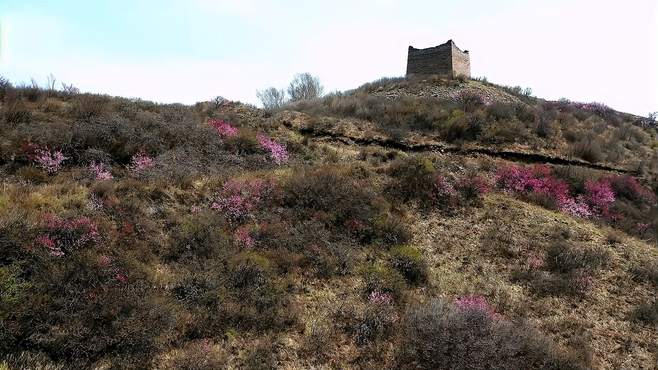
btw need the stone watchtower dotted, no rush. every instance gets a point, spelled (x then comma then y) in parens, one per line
(446, 59)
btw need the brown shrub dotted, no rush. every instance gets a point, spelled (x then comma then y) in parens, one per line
(86, 106)
(437, 335)
(409, 262)
(646, 313)
(16, 113)
(564, 257)
(198, 355)
(647, 272)
(589, 150)
(413, 178)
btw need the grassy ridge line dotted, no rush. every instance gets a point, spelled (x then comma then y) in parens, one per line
(504, 154)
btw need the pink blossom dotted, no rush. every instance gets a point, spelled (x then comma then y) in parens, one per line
(94, 203)
(514, 178)
(380, 298)
(224, 129)
(597, 108)
(63, 236)
(277, 151)
(48, 243)
(535, 262)
(235, 206)
(538, 179)
(474, 184)
(238, 199)
(122, 278)
(575, 207)
(476, 303)
(599, 195)
(583, 281)
(100, 172)
(104, 261)
(140, 162)
(630, 188)
(444, 193)
(51, 162)
(244, 238)
(642, 227)
(442, 187)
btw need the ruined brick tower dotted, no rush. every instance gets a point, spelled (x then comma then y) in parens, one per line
(446, 59)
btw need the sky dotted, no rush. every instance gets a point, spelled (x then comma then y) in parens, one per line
(192, 50)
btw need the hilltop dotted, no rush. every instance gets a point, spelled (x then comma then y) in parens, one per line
(408, 223)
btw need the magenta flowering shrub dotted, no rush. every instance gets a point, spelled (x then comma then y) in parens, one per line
(238, 198)
(599, 195)
(49, 161)
(380, 298)
(243, 237)
(535, 261)
(514, 178)
(629, 188)
(577, 207)
(277, 151)
(472, 187)
(539, 179)
(476, 303)
(63, 236)
(104, 261)
(46, 242)
(100, 172)
(140, 162)
(447, 195)
(443, 193)
(107, 265)
(596, 108)
(224, 128)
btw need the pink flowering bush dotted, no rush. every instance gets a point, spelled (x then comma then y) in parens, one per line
(535, 262)
(63, 236)
(599, 195)
(46, 242)
(472, 187)
(224, 128)
(277, 151)
(243, 237)
(380, 298)
(596, 108)
(104, 261)
(140, 162)
(539, 180)
(100, 172)
(443, 193)
(577, 207)
(629, 188)
(238, 198)
(476, 303)
(49, 161)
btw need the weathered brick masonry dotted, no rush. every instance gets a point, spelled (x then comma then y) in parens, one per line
(445, 59)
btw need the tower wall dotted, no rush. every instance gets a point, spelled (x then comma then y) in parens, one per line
(446, 59)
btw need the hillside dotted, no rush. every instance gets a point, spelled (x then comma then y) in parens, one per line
(404, 224)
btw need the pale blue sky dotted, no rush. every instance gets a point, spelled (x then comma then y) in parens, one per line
(188, 51)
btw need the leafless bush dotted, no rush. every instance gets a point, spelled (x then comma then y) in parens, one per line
(438, 335)
(589, 150)
(5, 85)
(70, 89)
(304, 87)
(88, 106)
(272, 98)
(51, 82)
